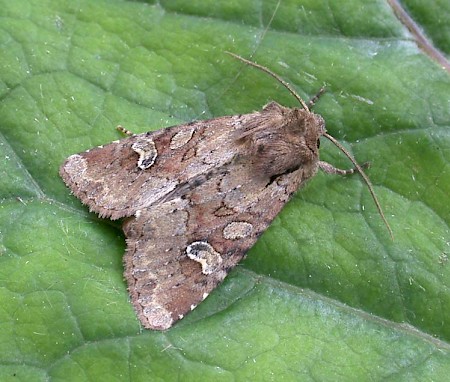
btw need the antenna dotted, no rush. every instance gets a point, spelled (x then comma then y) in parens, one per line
(366, 180)
(276, 76)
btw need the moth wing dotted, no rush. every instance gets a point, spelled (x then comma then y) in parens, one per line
(117, 179)
(180, 250)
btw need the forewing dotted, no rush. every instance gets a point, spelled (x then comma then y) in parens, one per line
(180, 250)
(117, 179)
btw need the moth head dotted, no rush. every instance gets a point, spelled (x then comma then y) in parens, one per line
(321, 130)
(306, 127)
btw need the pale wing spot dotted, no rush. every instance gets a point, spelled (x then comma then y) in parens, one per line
(237, 230)
(204, 253)
(146, 149)
(76, 164)
(205, 295)
(157, 316)
(181, 138)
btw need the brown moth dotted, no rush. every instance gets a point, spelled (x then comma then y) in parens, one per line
(197, 197)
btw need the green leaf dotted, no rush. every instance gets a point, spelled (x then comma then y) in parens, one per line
(325, 294)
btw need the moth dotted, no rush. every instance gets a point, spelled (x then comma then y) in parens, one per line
(196, 197)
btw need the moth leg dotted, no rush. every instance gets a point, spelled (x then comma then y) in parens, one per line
(314, 99)
(330, 169)
(125, 131)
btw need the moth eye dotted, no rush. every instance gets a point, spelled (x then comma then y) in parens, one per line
(318, 143)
